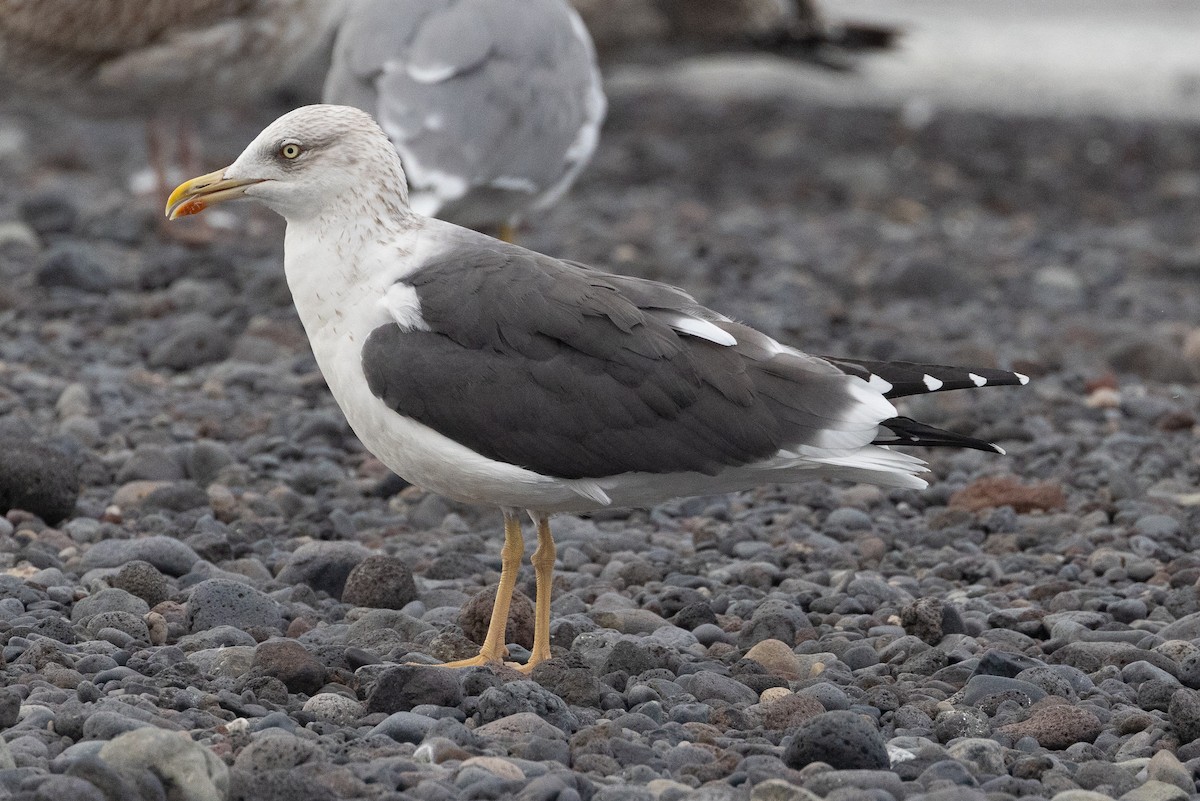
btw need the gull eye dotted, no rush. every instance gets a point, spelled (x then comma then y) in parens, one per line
(290, 150)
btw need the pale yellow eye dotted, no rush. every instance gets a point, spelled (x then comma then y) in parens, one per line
(290, 150)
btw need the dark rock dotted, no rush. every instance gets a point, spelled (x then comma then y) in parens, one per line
(194, 340)
(405, 686)
(142, 580)
(37, 478)
(844, 740)
(291, 663)
(220, 602)
(74, 265)
(324, 566)
(380, 582)
(525, 696)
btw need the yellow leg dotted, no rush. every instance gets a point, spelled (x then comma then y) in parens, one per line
(543, 568)
(507, 232)
(494, 650)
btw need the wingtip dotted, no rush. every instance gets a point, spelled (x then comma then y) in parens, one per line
(1024, 379)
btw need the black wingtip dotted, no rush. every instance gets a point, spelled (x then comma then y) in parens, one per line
(907, 431)
(901, 379)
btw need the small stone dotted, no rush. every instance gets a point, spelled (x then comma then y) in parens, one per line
(707, 685)
(39, 479)
(194, 339)
(334, 708)
(108, 600)
(1166, 767)
(143, 580)
(1057, 727)
(219, 602)
(151, 463)
(1184, 714)
(405, 727)
(789, 711)
(291, 663)
(520, 727)
(188, 770)
(629, 621)
(166, 554)
(324, 566)
(476, 616)
(776, 656)
(525, 696)
(405, 686)
(844, 740)
(380, 582)
(779, 790)
(205, 460)
(75, 266)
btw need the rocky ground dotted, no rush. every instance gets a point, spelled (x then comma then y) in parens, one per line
(224, 611)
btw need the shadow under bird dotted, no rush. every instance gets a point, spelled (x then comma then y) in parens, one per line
(496, 375)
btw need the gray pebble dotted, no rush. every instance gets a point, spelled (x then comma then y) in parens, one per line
(221, 602)
(167, 554)
(324, 566)
(188, 770)
(381, 582)
(38, 478)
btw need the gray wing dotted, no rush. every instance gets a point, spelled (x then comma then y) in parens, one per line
(499, 97)
(574, 373)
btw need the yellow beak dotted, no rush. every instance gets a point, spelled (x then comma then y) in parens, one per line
(194, 196)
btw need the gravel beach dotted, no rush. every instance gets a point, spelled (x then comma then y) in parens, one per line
(225, 611)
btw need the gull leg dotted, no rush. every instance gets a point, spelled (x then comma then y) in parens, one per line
(543, 567)
(493, 650)
(507, 232)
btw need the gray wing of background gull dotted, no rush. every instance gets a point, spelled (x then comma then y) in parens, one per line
(121, 56)
(494, 105)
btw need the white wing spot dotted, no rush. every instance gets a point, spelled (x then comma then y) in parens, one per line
(932, 384)
(977, 379)
(703, 329)
(879, 384)
(1024, 379)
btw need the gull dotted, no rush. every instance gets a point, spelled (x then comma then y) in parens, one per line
(156, 58)
(494, 105)
(492, 374)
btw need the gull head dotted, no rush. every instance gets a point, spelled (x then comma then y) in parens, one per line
(306, 162)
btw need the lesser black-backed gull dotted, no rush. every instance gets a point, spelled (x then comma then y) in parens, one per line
(494, 105)
(495, 375)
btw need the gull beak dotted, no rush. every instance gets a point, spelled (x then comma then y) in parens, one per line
(194, 196)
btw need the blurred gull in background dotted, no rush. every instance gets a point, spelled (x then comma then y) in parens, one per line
(156, 58)
(495, 106)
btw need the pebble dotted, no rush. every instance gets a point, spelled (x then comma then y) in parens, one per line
(324, 566)
(221, 602)
(381, 582)
(187, 770)
(401, 688)
(167, 554)
(842, 739)
(38, 478)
